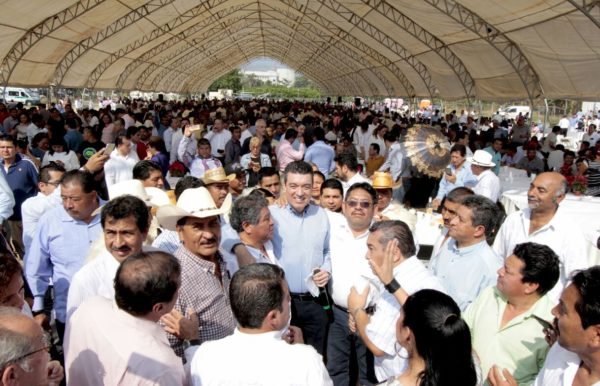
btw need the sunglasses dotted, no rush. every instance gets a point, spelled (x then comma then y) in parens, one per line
(362, 204)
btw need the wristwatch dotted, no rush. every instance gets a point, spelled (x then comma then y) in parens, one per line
(392, 286)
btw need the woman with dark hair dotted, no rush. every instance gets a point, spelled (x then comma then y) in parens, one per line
(60, 153)
(437, 340)
(157, 152)
(39, 145)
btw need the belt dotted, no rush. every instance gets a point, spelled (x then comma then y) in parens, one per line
(369, 310)
(302, 297)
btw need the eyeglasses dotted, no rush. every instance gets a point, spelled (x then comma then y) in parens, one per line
(47, 345)
(362, 204)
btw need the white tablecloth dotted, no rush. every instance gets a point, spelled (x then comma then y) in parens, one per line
(513, 179)
(584, 210)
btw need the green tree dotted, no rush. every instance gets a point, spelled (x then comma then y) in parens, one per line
(232, 80)
(302, 82)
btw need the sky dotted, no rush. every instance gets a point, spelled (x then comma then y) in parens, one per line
(263, 64)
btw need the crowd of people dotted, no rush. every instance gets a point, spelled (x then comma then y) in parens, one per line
(230, 243)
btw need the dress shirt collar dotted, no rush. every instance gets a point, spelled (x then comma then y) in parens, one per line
(483, 174)
(453, 246)
(541, 308)
(295, 213)
(346, 228)
(140, 324)
(554, 222)
(254, 338)
(65, 217)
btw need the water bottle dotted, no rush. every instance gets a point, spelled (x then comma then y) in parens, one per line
(324, 299)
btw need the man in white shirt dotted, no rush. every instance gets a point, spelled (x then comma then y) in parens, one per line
(218, 137)
(122, 338)
(551, 140)
(391, 255)
(361, 137)
(122, 160)
(125, 223)
(397, 164)
(260, 301)
(346, 169)
(348, 247)
(556, 158)
(488, 183)
(544, 222)
(34, 207)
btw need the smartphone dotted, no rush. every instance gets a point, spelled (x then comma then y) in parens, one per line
(449, 171)
(195, 128)
(109, 148)
(544, 323)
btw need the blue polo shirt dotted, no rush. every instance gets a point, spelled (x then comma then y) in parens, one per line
(22, 177)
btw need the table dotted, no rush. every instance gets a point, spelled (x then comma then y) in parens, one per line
(584, 211)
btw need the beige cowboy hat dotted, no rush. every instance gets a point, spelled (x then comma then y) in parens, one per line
(152, 197)
(213, 176)
(482, 158)
(195, 202)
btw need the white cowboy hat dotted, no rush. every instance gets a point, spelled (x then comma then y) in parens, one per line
(153, 197)
(195, 202)
(482, 158)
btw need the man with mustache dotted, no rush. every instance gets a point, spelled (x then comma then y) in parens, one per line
(204, 277)
(544, 222)
(125, 222)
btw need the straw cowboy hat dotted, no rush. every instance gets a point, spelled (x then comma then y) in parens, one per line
(382, 180)
(213, 176)
(152, 197)
(195, 202)
(482, 158)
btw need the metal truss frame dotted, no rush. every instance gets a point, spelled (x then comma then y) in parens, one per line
(166, 28)
(40, 31)
(118, 25)
(204, 27)
(384, 39)
(276, 52)
(275, 47)
(586, 7)
(407, 24)
(351, 42)
(249, 37)
(496, 38)
(184, 63)
(326, 44)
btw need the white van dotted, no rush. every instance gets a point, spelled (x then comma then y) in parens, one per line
(14, 95)
(512, 112)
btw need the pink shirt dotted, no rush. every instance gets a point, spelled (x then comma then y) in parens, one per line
(107, 346)
(287, 154)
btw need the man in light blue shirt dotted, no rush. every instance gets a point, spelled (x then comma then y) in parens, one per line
(301, 243)
(460, 174)
(63, 238)
(320, 153)
(466, 264)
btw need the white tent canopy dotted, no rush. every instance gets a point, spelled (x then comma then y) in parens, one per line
(475, 49)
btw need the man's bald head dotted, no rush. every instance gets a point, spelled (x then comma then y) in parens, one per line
(546, 192)
(557, 181)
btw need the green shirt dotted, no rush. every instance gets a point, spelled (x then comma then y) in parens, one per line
(519, 346)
